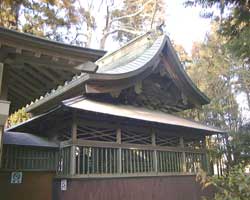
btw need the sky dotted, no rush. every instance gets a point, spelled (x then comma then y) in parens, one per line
(184, 26)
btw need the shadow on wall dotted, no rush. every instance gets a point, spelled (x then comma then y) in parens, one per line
(140, 188)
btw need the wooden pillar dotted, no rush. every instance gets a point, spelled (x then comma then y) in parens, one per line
(4, 104)
(155, 162)
(183, 155)
(73, 147)
(119, 141)
(1, 144)
(206, 156)
(74, 128)
(3, 81)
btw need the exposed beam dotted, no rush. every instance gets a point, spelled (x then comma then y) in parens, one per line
(40, 77)
(57, 78)
(23, 93)
(28, 77)
(16, 59)
(24, 82)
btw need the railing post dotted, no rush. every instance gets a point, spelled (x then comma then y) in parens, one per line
(153, 138)
(206, 156)
(183, 155)
(73, 147)
(73, 160)
(119, 141)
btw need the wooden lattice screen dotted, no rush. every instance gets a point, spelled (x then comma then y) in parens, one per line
(29, 158)
(97, 134)
(134, 137)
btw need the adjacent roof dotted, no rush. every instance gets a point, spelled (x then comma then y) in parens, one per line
(26, 139)
(124, 68)
(36, 65)
(88, 106)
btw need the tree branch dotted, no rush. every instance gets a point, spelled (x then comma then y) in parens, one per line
(134, 14)
(153, 15)
(134, 32)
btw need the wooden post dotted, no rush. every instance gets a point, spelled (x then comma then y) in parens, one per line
(74, 128)
(1, 144)
(3, 81)
(184, 167)
(119, 141)
(153, 139)
(206, 156)
(5, 104)
(73, 147)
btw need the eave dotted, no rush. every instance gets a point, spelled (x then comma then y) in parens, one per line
(36, 65)
(91, 109)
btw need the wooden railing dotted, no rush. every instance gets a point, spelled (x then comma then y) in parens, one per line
(104, 158)
(29, 158)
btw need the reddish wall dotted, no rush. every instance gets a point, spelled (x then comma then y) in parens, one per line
(146, 188)
(35, 186)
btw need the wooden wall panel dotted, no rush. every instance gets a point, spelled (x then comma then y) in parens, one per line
(146, 188)
(35, 186)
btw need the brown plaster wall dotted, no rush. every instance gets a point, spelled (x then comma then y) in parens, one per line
(35, 186)
(146, 188)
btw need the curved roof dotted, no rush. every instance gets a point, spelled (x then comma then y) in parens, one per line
(127, 66)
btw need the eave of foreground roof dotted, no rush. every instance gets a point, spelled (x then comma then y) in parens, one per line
(137, 114)
(121, 111)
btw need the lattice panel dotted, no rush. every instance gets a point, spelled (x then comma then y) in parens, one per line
(95, 133)
(130, 136)
(171, 141)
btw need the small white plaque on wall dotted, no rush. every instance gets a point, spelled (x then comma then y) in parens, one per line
(16, 177)
(64, 184)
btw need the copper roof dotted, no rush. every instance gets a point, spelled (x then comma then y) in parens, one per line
(124, 68)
